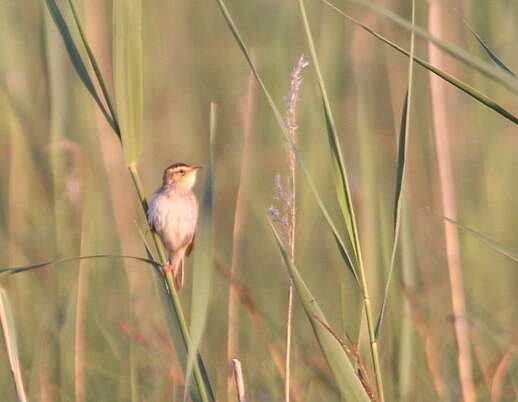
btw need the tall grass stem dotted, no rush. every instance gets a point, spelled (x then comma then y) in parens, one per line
(239, 382)
(442, 133)
(351, 219)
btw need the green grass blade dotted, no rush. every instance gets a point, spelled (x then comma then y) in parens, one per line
(343, 371)
(401, 157)
(487, 69)
(128, 79)
(345, 201)
(11, 344)
(16, 270)
(400, 174)
(344, 251)
(95, 67)
(492, 55)
(203, 257)
(75, 57)
(509, 252)
(342, 184)
(445, 76)
(400, 171)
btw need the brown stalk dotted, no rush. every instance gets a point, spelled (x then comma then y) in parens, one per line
(238, 377)
(234, 290)
(449, 207)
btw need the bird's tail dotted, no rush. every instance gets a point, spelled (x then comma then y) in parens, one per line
(178, 275)
(177, 263)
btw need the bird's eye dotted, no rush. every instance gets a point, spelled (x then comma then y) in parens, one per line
(181, 171)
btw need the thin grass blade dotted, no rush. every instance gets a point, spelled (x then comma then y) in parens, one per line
(343, 249)
(345, 201)
(342, 184)
(509, 252)
(75, 57)
(128, 79)
(9, 330)
(400, 171)
(17, 270)
(343, 371)
(400, 174)
(203, 258)
(485, 100)
(492, 55)
(97, 70)
(510, 82)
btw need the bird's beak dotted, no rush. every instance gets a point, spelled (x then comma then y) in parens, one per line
(196, 168)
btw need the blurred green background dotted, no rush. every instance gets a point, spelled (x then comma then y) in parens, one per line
(97, 330)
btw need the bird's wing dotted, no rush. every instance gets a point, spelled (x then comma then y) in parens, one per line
(151, 212)
(190, 246)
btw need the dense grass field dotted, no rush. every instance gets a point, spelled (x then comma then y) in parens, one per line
(331, 164)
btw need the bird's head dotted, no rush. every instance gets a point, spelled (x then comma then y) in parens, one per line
(180, 175)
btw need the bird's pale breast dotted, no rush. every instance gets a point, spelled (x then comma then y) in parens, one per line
(173, 217)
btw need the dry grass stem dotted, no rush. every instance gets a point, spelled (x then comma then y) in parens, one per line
(449, 207)
(238, 378)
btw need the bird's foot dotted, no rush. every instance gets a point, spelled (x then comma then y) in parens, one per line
(167, 268)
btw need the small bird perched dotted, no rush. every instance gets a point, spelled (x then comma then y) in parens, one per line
(173, 214)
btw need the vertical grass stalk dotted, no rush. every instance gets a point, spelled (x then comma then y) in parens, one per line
(348, 212)
(399, 193)
(291, 201)
(238, 378)
(449, 206)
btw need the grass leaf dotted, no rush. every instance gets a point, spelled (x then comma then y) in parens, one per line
(342, 184)
(509, 252)
(343, 371)
(17, 270)
(203, 258)
(487, 69)
(400, 174)
(97, 70)
(445, 76)
(75, 57)
(489, 52)
(127, 44)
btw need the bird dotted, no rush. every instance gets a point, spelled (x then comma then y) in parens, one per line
(173, 214)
